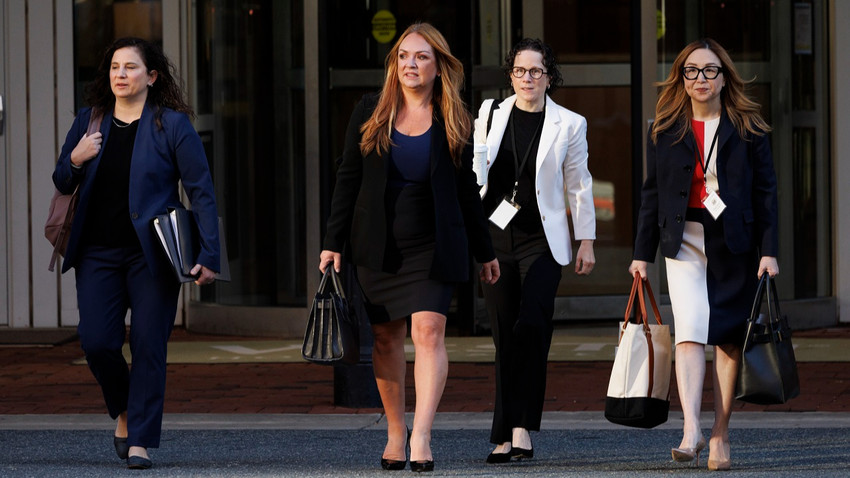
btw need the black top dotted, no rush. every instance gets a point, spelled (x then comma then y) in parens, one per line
(500, 179)
(108, 218)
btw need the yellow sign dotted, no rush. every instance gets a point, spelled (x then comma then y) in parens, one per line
(383, 26)
(660, 24)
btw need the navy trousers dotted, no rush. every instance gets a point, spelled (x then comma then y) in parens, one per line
(520, 306)
(109, 282)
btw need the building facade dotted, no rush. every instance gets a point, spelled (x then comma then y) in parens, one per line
(273, 83)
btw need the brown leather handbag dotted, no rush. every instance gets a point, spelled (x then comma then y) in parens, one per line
(57, 229)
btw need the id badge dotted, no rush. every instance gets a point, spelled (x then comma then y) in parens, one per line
(714, 204)
(504, 213)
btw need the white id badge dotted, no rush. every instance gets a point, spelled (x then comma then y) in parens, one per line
(504, 213)
(714, 204)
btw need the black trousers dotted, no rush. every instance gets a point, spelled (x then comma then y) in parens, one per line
(520, 306)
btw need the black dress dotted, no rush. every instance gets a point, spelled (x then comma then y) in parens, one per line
(404, 286)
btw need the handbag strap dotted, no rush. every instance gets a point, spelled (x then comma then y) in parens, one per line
(641, 315)
(335, 281)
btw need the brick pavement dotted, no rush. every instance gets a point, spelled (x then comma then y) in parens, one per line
(39, 380)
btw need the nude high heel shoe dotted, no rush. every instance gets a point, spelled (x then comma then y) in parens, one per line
(721, 465)
(684, 455)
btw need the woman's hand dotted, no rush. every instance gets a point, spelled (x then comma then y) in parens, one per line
(768, 264)
(585, 259)
(205, 276)
(86, 149)
(490, 272)
(328, 257)
(638, 266)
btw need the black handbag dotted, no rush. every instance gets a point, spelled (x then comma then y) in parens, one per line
(332, 335)
(767, 373)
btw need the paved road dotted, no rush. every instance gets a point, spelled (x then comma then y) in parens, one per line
(572, 444)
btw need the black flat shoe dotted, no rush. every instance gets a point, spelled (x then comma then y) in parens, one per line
(420, 466)
(138, 463)
(121, 447)
(520, 453)
(499, 457)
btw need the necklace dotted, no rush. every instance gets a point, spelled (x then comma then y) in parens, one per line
(116, 123)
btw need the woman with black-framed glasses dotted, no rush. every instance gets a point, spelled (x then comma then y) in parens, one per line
(710, 201)
(531, 157)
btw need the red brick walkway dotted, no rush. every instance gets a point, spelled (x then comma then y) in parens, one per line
(37, 380)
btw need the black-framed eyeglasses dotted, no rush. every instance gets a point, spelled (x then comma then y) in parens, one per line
(519, 72)
(708, 72)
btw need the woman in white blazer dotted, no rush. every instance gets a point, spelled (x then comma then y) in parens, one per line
(531, 159)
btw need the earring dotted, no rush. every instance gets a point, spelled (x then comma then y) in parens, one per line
(150, 85)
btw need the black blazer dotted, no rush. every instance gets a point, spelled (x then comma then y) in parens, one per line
(747, 183)
(358, 211)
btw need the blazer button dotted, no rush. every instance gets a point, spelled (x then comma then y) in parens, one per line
(678, 218)
(683, 193)
(135, 215)
(687, 168)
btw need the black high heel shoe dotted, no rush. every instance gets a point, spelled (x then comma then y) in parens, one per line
(122, 449)
(395, 465)
(420, 466)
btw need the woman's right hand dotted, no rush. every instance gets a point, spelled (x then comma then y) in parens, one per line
(87, 148)
(328, 257)
(638, 266)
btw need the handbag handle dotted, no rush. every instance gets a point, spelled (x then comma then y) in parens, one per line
(335, 281)
(638, 286)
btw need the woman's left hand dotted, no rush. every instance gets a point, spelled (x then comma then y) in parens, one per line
(490, 272)
(768, 264)
(585, 259)
(206, 276)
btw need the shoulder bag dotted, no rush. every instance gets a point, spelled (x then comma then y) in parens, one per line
(57, 229)
(639, 388)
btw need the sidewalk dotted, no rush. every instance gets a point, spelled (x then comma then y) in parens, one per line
(38, 380)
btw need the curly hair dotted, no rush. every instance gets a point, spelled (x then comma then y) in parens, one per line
(674, 106)
(446, 96)
(550, 62)
(166, 91)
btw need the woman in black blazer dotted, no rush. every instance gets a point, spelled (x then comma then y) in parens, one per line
(407, 201)
(710, 200)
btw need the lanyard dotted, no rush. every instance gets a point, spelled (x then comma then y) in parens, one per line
(704, 165)
(518, 167)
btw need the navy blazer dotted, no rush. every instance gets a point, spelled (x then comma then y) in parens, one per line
(747, 183)
(161, 158)
(358, 210)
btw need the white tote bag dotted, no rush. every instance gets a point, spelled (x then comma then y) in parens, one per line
(639, 388)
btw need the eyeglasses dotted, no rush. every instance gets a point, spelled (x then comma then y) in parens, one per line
(519, 72)
(708, 72)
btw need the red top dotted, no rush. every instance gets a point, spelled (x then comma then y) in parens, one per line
(698, 193)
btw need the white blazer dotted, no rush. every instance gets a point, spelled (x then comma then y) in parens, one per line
(562, 173)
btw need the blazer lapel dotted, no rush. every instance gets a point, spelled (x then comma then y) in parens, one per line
(549, 133)
(438, 138)
(497, 128)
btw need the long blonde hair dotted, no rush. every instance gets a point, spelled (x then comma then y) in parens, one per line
(446, 96)
(674, 105)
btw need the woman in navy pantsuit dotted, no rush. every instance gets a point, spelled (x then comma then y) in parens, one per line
(128, 173)
(710, 200)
